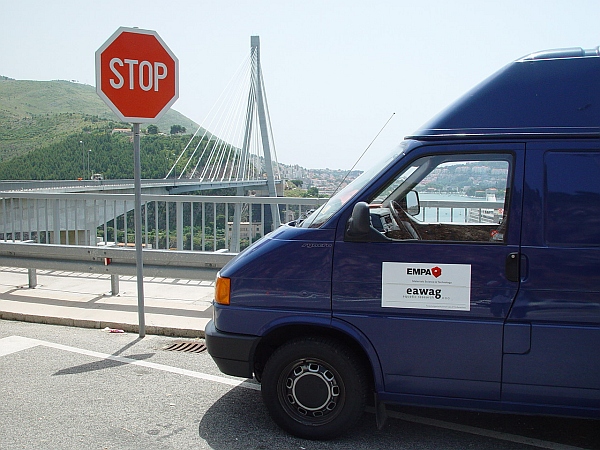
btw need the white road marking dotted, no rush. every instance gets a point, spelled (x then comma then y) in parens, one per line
(13, 344)
(16, 343)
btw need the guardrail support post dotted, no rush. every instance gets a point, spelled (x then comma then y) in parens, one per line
(179, 225)
(114, 284)
(32, 278)
(56, 222)
(237, 218)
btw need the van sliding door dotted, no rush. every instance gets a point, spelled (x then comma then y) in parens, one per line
(552, 342)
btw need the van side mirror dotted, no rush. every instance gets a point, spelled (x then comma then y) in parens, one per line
(359, 223)
(359, 228)
(413, 207)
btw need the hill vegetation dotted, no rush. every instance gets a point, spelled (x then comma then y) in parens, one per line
(111, 154)
(61, 130)
(40, 120)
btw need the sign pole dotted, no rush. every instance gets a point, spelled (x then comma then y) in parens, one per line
(137, 217)
(137, 76)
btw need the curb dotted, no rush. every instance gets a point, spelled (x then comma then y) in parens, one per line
(81, 323)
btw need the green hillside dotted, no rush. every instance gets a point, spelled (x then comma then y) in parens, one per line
(37, 114)
(111, 154)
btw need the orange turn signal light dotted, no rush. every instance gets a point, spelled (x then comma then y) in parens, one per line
(222, 290)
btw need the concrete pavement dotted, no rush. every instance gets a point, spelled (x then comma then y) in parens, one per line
(172, 307)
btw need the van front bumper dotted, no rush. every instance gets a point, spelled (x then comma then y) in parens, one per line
(233, 353)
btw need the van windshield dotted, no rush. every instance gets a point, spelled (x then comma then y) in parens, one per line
(335, 203)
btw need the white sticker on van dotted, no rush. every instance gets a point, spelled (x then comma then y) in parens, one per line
(426, 286)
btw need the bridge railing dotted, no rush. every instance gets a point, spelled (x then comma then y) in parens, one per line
(178, 222)
(461, 211)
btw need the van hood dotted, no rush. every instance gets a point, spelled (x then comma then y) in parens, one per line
(289, 269)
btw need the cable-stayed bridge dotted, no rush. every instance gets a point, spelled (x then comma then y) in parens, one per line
(234, 147)
(238, 152)
(239, 145)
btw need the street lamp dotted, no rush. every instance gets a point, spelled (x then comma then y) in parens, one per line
(88, 171)
(83, 160)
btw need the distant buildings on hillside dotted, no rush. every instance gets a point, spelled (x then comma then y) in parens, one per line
(327, 181)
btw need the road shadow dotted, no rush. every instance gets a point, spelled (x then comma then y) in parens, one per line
(107, 363)
(239, 420)
(101, 364)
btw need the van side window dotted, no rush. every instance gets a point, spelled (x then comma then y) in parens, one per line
(446, 197)
(572, 198)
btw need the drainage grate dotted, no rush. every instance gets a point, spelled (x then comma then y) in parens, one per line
(186, 346)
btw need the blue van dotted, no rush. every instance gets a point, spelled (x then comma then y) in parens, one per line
(462, 271)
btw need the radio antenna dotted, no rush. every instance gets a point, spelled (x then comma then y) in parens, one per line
(363, 154)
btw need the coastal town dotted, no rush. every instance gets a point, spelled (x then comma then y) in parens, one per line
(323, 182)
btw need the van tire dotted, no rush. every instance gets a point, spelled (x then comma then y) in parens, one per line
(314, 388)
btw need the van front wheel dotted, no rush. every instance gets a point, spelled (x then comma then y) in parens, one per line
(314, 388)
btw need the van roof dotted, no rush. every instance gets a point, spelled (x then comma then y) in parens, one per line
(550, 92)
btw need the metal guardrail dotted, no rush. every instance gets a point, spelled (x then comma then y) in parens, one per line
(112, 261)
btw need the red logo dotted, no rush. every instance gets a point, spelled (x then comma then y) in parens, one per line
(436, 271)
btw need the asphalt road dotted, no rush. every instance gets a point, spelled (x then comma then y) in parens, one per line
(72, 388)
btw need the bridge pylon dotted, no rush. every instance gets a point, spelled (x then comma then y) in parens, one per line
(260, 99)
(257, 99)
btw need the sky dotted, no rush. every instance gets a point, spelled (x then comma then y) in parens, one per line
(334, 71)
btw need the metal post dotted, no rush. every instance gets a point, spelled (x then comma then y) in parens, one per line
(32, 278)
(56, 222)
(179, 224)
(114, 284)
(138, 227)
(83, 159)
(237, 218)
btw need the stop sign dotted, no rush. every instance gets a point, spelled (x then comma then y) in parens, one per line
(137, 75)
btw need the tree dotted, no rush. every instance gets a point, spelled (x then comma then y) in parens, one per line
(177, 129)
(152, 129)
(312, 192)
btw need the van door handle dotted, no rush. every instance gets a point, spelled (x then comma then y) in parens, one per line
(512, 267)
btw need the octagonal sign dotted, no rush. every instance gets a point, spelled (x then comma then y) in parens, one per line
(137, 75)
